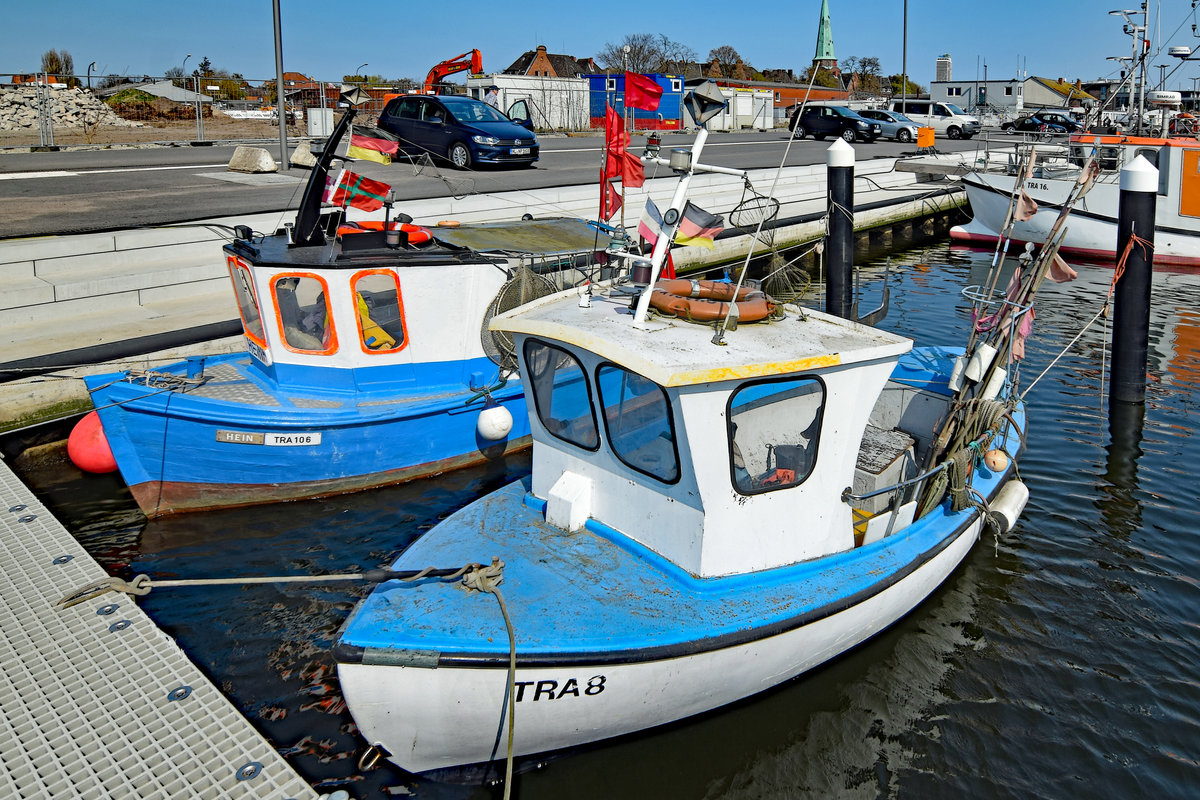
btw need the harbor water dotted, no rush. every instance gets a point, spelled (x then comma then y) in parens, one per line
(1061, 660)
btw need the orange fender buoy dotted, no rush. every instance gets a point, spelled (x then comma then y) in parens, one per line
(87, 446)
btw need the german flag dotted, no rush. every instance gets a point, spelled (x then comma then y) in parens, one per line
(698, 227)
(372, 144)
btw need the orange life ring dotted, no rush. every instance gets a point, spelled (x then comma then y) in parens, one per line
(707, 301)
(703, 290)
(416, 234)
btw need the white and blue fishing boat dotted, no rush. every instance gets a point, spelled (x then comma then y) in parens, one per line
(708, 516)
(368, 361)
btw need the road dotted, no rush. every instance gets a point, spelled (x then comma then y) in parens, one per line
(93, 190)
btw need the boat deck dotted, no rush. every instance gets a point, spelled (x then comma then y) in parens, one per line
(95, 700)
(625, 598)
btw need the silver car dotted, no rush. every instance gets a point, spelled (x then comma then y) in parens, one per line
(895, 125)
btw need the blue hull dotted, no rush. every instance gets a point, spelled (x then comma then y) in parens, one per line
(241, 440)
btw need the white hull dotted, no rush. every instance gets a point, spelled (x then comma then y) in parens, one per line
(428, 718)
(1092, 229)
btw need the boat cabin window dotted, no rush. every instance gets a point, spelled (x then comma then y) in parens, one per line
(561, 394)
(1148, 153)
(637, 422)
(1109, 158)
(774, 428)
(379, 313)
(243, 288)
(304, 318)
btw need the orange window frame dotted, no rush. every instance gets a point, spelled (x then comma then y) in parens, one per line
(332, 347)
(236, 265)
(354, 279)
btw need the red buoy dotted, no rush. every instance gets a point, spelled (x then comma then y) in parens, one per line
(88, 448)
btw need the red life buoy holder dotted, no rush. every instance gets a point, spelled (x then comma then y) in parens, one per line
(416, 234)
(707, 301)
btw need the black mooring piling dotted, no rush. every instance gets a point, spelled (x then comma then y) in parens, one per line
(839, 243)
(1131, 320)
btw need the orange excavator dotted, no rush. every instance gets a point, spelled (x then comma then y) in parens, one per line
(472, 60)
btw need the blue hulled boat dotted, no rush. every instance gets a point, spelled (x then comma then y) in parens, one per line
(368, 360)
(710, 514)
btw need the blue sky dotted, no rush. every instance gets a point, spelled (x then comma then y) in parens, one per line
(1048, 38)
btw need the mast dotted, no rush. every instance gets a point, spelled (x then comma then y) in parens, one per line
(307, 231)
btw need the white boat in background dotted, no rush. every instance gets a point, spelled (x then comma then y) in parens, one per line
(1093, 229)
(708, 516)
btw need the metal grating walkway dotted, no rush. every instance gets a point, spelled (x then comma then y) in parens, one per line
(95, 700)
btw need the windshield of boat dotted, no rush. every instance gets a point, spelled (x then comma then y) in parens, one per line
(561, 395)
(637, 422)
(774, 428)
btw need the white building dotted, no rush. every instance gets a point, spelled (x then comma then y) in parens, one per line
(1011, 96)
(559, 104)
(944, 68)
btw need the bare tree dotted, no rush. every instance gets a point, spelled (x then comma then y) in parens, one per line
(726, 56)
(677, 57)
(637, 52)
(59, 64)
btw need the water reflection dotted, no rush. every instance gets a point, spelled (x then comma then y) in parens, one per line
(1057, 662)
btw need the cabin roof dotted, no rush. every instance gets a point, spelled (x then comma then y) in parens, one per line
(677, 353)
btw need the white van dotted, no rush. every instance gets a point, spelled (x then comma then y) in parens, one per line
(945, 118)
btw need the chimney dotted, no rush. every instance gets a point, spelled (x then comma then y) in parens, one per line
(541, 49)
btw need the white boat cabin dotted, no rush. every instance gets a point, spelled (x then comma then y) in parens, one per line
(722, 459)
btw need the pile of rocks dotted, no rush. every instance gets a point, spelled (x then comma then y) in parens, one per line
(69, 108)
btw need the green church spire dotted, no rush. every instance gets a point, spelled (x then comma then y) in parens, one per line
(825, 56)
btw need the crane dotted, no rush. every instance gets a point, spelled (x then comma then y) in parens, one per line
(472, 60)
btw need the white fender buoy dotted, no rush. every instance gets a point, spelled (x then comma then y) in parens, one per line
(1008, 504)
(494, 423)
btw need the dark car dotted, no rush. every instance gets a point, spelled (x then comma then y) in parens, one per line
(822, 121)
(1043, 122)
(461, 130)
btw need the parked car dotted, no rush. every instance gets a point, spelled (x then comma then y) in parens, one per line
(946, 119)
(461, 130)
(822, 121)
(1043, 122)
(895, 125)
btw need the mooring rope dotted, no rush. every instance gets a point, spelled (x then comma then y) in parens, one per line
(487, 580)
(141, 585)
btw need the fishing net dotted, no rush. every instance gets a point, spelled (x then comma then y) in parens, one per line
(523, 287)
(757, 216)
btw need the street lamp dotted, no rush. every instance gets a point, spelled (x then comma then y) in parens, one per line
(183, 67)
(90, 66)
(358, 71)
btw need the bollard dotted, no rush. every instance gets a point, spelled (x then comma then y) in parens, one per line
(1131, 320)
(839, 245)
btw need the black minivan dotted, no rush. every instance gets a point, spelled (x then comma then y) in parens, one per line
(822, 121)
(460, 130)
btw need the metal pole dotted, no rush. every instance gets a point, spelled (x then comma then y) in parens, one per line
(1131, 320)
(196, 105)
(839, 164)
(279, 97)
(904, 64)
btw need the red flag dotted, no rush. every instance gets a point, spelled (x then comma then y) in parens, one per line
(610, 198)
(618, 161)
(642, 91)
(350, 188)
